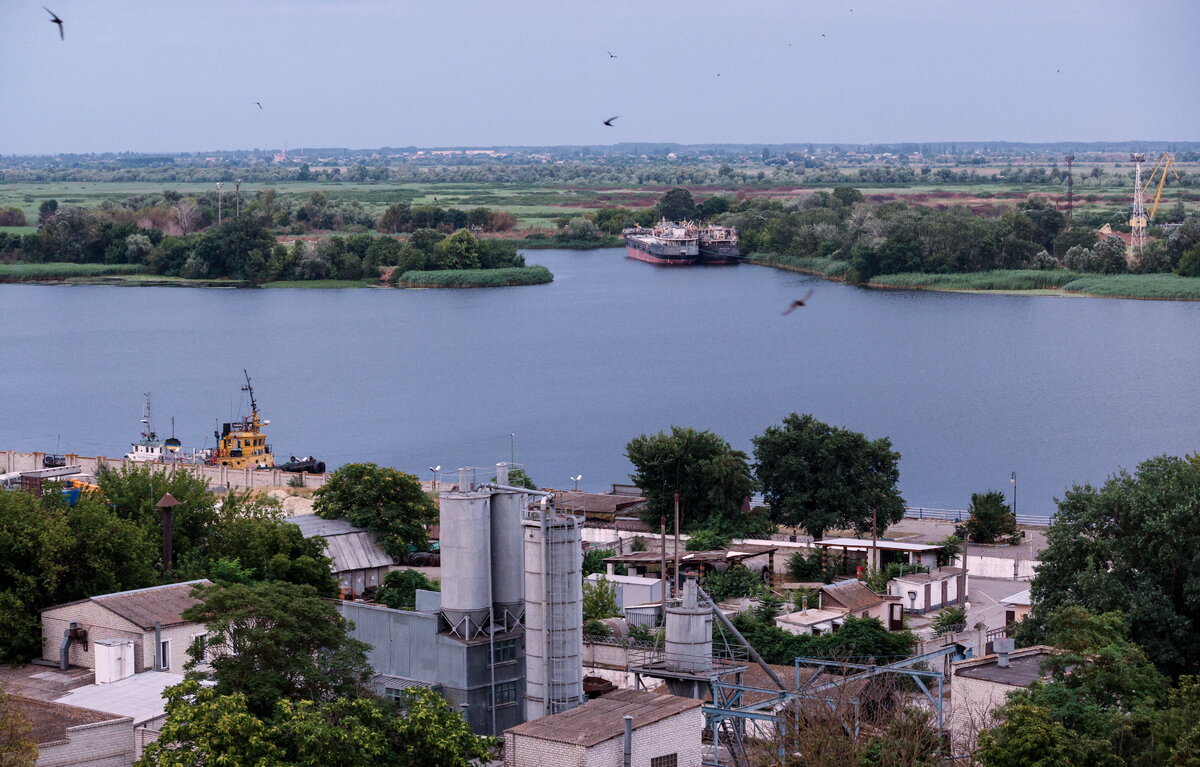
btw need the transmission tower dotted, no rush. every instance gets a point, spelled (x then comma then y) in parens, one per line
(1137, 219)
(1070, 188)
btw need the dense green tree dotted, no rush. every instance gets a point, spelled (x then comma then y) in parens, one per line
(600, 599)
(712, 479)
(732, 582)
(820, 477)
(18, 747)
(389, 503)
(458, 251)
(706, 540)
(35, 542)
(133, 492)
(109, 553)
(677, 205)
(1028, 737)
(1129, 546)
(858, 640)
(425, 240)
(399, 590)
(273, 641)
(991, 519)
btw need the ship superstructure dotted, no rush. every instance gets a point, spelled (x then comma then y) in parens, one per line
(682, 244)
(242, 444)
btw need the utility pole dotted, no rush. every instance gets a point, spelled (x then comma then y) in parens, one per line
(1014, 484)
(1070, 188)
(237, 185)
(220, 186)
(662, 530)
(675, 583)
(1137, 219)
(874, 538)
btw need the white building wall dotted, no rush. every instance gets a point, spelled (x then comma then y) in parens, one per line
(679, 734)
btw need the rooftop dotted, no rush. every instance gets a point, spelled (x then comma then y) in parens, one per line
(936, 574)
(603, 718)
(853, 595)
(599, 505)
(634, 580)
(1024, 667)
(811, 617)
(52, 720)
(138, 696)
(311, 525)
(861, 543)
(145, 607)
(349, 547)
(1020, 598)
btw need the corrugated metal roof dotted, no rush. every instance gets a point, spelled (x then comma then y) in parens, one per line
(355, 551)
(853, 595)
(386, 681)
(603, 718)
(350, 547)
(311, 525)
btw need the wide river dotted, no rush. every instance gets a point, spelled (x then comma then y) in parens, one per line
(969, 388)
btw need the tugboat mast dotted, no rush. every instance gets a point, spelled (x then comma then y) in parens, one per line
(250, 389)
(147, 429)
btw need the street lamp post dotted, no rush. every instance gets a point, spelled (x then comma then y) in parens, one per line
(1014, 485)
(237, 186)
(220, 186)
(435, 470)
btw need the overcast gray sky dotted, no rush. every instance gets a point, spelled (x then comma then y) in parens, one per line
(184, 75)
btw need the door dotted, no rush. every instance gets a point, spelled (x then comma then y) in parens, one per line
(945, 592)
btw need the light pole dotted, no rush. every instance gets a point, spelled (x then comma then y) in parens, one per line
(435, 470)
(1014, 484)
(576, 479)
(512, 445)
(220, 186)
(237, 186)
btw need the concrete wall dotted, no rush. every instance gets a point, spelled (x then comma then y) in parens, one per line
(1001, 567)
(678, 734)
(104, 744)
(11, 460)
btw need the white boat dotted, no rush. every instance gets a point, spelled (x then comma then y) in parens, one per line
(150, 447)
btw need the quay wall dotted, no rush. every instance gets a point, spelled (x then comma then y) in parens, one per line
(224, 476)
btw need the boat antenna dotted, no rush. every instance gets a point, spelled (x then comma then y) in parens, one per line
(249, 388)
(148, 430)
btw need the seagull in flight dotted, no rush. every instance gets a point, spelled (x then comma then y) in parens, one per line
(55, 20)
(608, 122)
(259, 104)
(611, 55)
(797, 304)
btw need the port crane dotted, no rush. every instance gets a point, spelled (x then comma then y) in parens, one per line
(1140, 218)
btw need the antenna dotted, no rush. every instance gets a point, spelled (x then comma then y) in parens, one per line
(249, 388)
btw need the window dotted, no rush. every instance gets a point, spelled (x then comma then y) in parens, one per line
(164, 654)
(506, 693)
(504, 651)
(670, 760)
(393, 693)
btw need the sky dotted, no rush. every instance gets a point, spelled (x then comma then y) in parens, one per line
(183, 75)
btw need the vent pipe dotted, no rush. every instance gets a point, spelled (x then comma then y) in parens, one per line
(1003, 647)
(159, 660)
(628, 760)
(464, 480)
(804, 605)
(502, 474)
(167, 505)
(64, 650)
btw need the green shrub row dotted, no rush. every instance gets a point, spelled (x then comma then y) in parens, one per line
(826, 267)
(548, 243)
(58, 271)
(477, 278)
(1160, 286)
(1000, 279)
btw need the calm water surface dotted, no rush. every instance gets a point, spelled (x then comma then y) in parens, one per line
(969, 388)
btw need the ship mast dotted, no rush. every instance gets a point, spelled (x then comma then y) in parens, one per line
(250, 389)
(147, 429)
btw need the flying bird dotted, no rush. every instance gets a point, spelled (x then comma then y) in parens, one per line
(797, 304)
(608, 122)
(55, 20)
(259, 104)
(822, 34)
(611, 55)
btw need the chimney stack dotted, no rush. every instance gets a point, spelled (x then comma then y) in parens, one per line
(167, 505)
(1003, 647)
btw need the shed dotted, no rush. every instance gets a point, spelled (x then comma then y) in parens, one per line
(667, 732)
(632, 590)
(859, 601)
(814, 622)
(1017, 607)
(358, 561)
(888, 551)
(934, 590)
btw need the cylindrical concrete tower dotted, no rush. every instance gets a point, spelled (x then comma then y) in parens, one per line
(689, 633)
(508, 560)
(466, 561)
(553, 614)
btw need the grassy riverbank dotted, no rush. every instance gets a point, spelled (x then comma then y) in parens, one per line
(57, 272)
(818, 267)
(1015, 279)
(476, 278)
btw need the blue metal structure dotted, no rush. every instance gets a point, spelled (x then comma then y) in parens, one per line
(733, 721)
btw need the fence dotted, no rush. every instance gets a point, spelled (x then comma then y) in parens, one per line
(961, 515)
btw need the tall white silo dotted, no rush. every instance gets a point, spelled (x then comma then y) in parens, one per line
(553, 613)
(508, 559)
(466, 525)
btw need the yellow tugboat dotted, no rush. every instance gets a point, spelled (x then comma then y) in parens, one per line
(241, 444)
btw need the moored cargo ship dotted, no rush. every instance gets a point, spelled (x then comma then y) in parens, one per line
(683, 244)
(718, 245)
(668, 243)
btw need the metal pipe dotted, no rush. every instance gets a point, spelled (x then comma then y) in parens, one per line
(675, 582)
(628, 760)
(511, 489)
(158, 658)
(64, 650)
(742, 641)
(662, 529)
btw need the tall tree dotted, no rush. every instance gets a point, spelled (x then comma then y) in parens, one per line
(991, 519)
(18, 748)
(274, 641)
(388, 502)
(712, 479)
(35, 541)
(1132, 545)
(677, 205)
(819, 477)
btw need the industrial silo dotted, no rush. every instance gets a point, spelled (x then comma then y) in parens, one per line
(553, 614)
(508, 559)
(466, 561)
(689, 632)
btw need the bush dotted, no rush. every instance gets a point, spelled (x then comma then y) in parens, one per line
(950, 620)
(399, 590)
(805, 568)
(476, 278)
(600, 599)
(639, 544)
(594, 628)
(706, 540)
(736, 581)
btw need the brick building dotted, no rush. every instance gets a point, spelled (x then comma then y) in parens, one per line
(69, 736)
(152, 618)
(666, 733)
